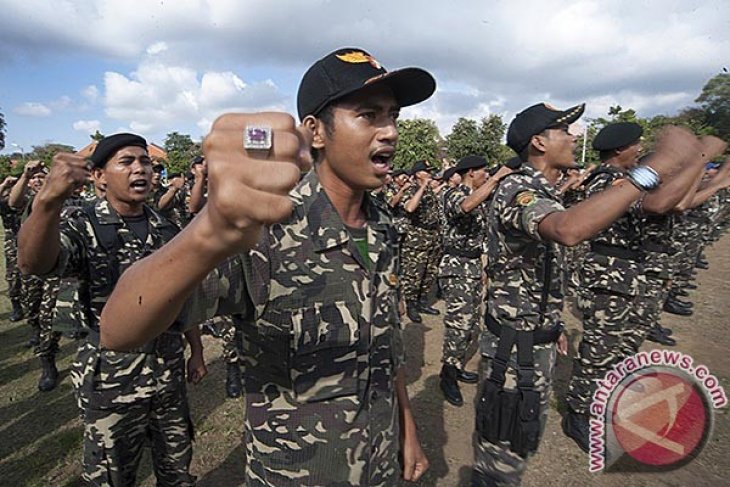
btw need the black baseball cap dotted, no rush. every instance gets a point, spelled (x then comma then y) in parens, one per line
(108, 146)
(350, 69)
(537, 118)
(617, 135)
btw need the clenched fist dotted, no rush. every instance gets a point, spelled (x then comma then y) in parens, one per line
(68, 172)
(249, 188)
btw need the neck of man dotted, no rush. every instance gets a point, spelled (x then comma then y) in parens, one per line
(618, 163)
(541, 163)
(126, 208)
(346, 199)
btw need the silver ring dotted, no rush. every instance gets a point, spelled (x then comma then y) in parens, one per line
(257, 137)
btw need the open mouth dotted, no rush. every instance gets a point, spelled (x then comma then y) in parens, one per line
(139, 185)
(381, 160)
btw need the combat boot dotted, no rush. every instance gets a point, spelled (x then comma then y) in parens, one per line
(678, 302)
(429, 310)
(17, 313)
(680, 292)
(655, 335)
(35, 338)
(577, 427)
(449, 386)
(671, 307)
(412, 312)
(467, 377)
(234, 385)
(702, 264)
(690, 285)
(49, 375)
(663, 330)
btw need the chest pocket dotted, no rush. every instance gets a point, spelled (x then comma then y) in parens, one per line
(325, 343)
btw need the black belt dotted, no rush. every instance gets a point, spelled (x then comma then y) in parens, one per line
(469, 254)
(616, 251)
(539, 336)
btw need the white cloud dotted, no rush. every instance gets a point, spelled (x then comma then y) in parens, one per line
(157, 48)
(91, 93)
(33, 109)
(87, 126)
(157, 98)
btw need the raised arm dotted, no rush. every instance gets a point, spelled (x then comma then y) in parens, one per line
(39, 240)
(580, 222)
(248, 189)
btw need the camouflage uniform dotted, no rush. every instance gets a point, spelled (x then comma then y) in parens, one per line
(322, 343)
(11, 224)
(400, 221)
(613, 297)
(460, 273)
(126, 398)
(177, 211)
(518, 258)
(421, 246)
(657, 251)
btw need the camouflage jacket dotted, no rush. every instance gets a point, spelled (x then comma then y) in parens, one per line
(177, 211)
(463, 234)
(398, 212)
(322, 350)
(83, 256)
(426, 215)
(10, 218)
(656, 244)
(518, 260)
(606, 266)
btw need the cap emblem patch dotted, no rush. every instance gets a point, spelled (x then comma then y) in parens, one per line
(357, 57)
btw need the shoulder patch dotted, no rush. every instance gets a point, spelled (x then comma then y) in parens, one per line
(526, 198)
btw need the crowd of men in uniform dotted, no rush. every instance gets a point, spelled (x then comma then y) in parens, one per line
(303, 275)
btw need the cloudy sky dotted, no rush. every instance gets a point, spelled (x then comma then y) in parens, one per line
(70, 67)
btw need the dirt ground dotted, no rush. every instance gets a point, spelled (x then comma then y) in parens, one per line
(40, 434)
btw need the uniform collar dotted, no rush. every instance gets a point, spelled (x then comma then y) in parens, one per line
(326, 228)
(107, 215)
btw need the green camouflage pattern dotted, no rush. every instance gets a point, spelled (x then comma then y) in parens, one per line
(516, 256)
(128, 398)
(11, 224)
(321, 354)
(461, 277)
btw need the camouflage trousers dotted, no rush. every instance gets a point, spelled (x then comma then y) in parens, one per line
(33, 295)
(129, 399)
(420, 256)
(463, 297)
(573, 260)
(230, 333)
(614, 327)
(49, 338)
(496, 461)
(12, 274)
(657, 291)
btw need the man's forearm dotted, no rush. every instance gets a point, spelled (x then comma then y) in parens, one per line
(18, 193)
(150, 294)
(405, 415)
(671, 192)
(413, 203)
(589, 217)
(167, 198)
(39, 238)
(477, 197)
(193, 338)
(197, 201)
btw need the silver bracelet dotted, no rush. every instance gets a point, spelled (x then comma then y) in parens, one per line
(644, 177)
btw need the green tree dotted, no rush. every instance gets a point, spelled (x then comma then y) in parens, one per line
(714, 101)
(46, 152)
(484, 138)
(181, 150)
(418, 139)
(97, 136)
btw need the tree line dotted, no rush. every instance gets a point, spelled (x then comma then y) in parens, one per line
(420, 137)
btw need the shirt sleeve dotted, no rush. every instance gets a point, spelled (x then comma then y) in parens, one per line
(524, 208)
(452, 204)
(222, 292)
(73, 243)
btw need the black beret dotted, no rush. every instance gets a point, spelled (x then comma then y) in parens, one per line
(537, 118)
(470, 162)
(398, 172)
(197, 160)
(449, 173)
(108, 146)
(617, 135)
(419, 166)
